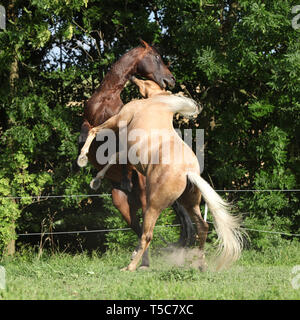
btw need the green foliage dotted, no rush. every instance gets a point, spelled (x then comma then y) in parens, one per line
(9, 212)
(260, 109)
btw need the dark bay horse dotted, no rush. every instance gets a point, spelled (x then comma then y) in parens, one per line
(106, 102)
(178, 178)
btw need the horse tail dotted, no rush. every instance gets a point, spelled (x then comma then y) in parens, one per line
(230, 235)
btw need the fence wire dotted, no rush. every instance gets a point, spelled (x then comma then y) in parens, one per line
(128, 229)
(108, 194)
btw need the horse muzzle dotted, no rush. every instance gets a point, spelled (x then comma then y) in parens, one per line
(167, 82)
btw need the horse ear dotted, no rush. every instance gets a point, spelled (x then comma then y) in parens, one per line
(144, 43)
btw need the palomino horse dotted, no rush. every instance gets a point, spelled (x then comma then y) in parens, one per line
(106, 102)
(175, 179)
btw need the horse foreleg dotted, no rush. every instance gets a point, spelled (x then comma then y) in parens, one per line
(111, 123)
(83, 159)
(95, 183)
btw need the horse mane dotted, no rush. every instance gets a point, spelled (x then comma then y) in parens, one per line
(187, 107)
(113, 70)
(155, 49)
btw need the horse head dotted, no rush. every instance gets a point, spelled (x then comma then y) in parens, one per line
(152, 67)
(148, 88)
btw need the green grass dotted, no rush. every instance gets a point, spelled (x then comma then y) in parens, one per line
(257, 275)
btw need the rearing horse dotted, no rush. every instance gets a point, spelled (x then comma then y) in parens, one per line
(106, 102)
(178, 178)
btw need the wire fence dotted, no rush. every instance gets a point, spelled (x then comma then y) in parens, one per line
(108, 194)
(127, 229)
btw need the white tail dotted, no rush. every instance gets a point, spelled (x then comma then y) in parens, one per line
(230, 235)
(176, 103)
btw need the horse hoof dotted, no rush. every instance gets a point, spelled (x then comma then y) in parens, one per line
(143, 267)
(95, 184)
(128, 268)
(124, 269)
(203, 267)
(82, 160)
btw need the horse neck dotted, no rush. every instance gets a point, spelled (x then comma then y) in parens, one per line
(120, 72)
(106, 100)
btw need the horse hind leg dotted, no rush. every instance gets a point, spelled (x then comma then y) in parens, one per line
(139, 181)
(151, 216)
(202, 231)
(125, 181)
(150, 219)
(145, 257)
(120, 201)
(159, 196)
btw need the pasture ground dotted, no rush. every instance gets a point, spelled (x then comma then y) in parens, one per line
(265, 275)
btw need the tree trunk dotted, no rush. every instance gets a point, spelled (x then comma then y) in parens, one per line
(11, 247)
(14, 74)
